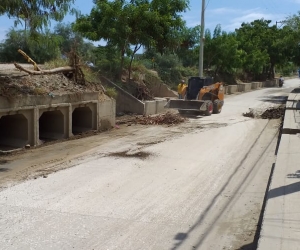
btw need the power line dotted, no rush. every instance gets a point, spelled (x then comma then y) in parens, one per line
(207, 4)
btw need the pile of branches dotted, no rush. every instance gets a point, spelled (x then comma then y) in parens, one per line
(273, 113)
(168, 119)
(72, 72)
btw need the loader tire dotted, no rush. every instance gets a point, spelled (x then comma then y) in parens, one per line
(217, 107)
(209, 108)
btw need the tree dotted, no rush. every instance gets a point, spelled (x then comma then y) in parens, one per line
(222, 52)
(131, 24)
(188, 49)
(291, 37)
(255, 40)
(44, 48)
(266, 46)
(35, 13)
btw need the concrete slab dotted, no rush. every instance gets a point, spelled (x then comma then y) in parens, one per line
(150, 108)
(232, 89)
(291, 123)
(243, 87)
(281, 227)
(292, 105)
(294, 97)
(256, 85)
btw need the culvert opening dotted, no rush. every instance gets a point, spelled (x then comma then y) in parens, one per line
(13, 131)
(82, 120)
(51, 125)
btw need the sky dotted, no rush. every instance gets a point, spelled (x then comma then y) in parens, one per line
(230, 14)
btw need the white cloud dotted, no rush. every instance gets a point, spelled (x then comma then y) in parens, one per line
(221, 11)
(247, 18)
(232, 19)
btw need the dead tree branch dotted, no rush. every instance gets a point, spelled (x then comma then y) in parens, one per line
(36, 67)
(65, 69)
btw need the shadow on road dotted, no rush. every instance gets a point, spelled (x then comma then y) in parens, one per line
(294, 175)
(274, 99)
(284, 190)
(4, 170)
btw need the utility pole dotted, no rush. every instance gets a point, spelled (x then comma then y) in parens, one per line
(282, 22)
(201, 40)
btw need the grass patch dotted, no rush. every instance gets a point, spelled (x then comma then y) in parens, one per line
(111, 92)
(56, 63)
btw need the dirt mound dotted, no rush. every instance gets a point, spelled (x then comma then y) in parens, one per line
(14, 83)
(168, 118)
(271, 113)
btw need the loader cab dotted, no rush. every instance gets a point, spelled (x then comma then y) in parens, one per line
(195, 84)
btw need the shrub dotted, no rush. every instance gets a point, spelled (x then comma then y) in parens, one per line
(111, 92)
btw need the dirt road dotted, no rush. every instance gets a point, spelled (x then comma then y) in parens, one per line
(197, 185)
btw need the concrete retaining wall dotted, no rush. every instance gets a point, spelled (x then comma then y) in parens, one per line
(107, 114)
(270, 83)
(155, 107)
(243, 87)
(160, 105)
(231, 89)
(256, 85)
(125, 102)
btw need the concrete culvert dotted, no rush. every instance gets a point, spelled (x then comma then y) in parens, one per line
(82, 120)
(13, 131)
(51, 125)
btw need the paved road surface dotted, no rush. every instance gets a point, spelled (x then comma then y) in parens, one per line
(199, 185)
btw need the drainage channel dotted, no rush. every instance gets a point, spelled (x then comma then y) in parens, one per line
(13, 132)
(82, 120)
(51, 126)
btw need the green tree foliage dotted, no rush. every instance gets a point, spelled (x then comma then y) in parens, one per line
(221, 51)
(291, 37)
(131, 24)
(265, 47)
(73, 40)
(252, 40)
(35, 13)
(188, 49)
(69, 38)
(44, 48)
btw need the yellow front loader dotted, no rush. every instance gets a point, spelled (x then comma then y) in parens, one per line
(201, 95)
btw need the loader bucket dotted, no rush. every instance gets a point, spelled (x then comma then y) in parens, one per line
(194, 105)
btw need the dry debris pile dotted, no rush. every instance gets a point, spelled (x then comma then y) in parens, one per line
(274, 113)
(56, 81)
(271, 113)
(168, 119)
(249, 114)
(162, 119)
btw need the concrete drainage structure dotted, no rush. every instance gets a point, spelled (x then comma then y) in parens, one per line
(35, 119)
